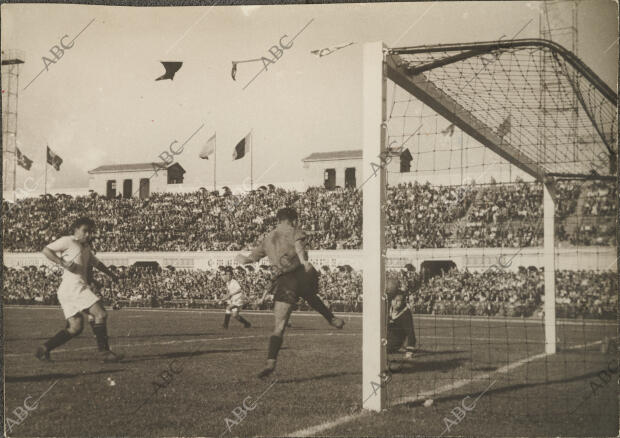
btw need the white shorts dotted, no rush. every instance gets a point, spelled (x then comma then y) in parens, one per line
(75, 297)
(237, 301)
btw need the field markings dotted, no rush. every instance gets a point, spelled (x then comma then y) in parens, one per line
(322, 427)
(423, 316)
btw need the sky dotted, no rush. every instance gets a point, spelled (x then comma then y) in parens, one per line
(99, 103)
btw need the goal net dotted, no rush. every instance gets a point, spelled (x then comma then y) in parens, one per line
(496, 162)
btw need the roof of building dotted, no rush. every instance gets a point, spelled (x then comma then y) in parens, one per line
(356, 154)
(335, 155)
(135, 167)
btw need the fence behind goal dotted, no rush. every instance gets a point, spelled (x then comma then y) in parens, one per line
(494, 161)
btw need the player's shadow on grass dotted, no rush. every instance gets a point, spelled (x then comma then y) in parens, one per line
(319, 377)
(124, 337)
(185, 354)
(55, 376)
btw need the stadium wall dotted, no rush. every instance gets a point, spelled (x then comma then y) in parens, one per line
(474, 259)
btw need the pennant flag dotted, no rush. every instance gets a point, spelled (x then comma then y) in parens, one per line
(504, 129)
(171, 69)
(233, 72)
(449, 131)
(53, 159)
(329, 50)
(242, 147)
(208, 149)
(23, 160)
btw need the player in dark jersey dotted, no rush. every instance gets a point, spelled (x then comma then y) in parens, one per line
(400, 325)
(295, 277)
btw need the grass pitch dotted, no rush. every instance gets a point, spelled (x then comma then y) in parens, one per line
(184, 375)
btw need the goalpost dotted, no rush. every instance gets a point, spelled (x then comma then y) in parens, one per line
(524, 126)
(373, 201)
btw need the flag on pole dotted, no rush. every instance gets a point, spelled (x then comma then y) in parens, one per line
(171, 69)
(23, 160)
(242, 148)
(53, 159)
(208, 148)
(329, 50)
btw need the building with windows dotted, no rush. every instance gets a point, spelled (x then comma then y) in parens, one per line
(135, 180)
(344, 168)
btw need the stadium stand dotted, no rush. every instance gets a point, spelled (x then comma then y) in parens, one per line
(419, 216)
(589, 294)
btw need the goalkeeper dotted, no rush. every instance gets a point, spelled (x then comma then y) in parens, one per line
(400, 325)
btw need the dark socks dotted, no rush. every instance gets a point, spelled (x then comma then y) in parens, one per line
(275, 342)
(242, 320)
(226, 319)
(318, 305)
(101, 333)
(57, 340)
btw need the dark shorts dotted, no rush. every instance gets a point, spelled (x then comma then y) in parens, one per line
(400, 331)
(289, 287)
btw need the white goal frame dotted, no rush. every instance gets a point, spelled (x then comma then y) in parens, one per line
(376, 70)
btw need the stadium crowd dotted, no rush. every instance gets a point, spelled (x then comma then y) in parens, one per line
(598, 224)
(419, 216)
(589, 294)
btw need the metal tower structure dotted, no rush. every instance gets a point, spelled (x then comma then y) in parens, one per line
(11, 61)
(558, 23)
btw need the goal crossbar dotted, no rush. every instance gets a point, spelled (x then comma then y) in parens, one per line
(423, 89)
(522, 117)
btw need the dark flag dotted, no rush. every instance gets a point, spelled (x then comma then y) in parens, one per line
(53, 159)
(23, 160)
(233, 72)
(242, 147)
(171, 69)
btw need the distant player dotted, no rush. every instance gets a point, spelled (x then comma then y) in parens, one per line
(400, 325)
(235, 298)
(294, 277)
(73, 253)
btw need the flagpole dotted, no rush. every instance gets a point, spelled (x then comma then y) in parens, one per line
(251, 160)
(461, 157)
(15, 174)
(214, 163)
(45, 164)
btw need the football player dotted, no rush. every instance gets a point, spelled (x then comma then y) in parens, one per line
(73, 253)
(235, 298)
(400, 325)
(295, 277)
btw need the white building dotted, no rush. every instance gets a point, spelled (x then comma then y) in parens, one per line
(130, 180)
(344, 168)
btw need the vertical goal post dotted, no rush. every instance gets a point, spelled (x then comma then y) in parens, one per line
(511, 104)
(374, 359)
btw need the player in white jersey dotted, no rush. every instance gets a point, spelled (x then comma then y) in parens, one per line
(73, 253)
(235, 298)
